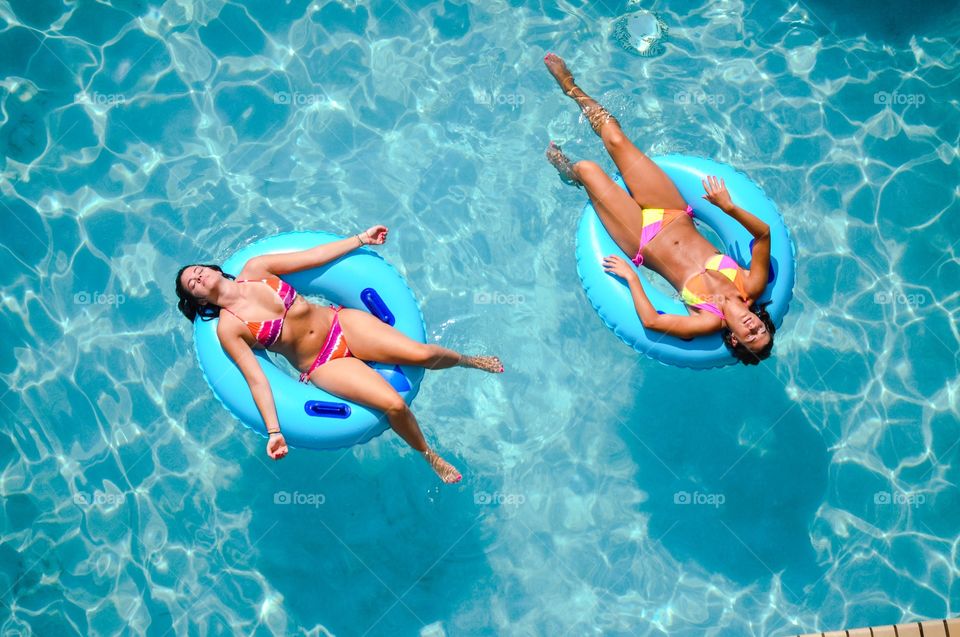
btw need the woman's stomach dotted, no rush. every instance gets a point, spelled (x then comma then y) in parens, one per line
(304, 333)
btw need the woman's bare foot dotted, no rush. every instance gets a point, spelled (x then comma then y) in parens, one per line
(558, 69)
(490, 364)
(563, 165)
(446, 471)
(595, 114)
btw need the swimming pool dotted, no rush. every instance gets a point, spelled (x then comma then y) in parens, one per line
(603, 493)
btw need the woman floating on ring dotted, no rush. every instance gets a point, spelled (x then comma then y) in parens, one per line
(654, 223)
(288, 324)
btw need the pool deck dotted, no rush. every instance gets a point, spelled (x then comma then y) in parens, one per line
(930, 628)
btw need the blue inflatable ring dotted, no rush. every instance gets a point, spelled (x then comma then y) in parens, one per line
(610, 295)
(309, 416)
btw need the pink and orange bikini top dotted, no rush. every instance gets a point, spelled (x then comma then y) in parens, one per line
(267, 333)
(695, 292)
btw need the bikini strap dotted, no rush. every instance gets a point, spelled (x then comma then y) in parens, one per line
(235, 314)
(231, 311)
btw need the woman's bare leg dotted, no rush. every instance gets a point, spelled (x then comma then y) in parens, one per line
(371, 339)
(649, 185)
(351, 379)
(619, 213)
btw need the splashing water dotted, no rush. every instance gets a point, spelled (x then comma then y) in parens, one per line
(641, 33)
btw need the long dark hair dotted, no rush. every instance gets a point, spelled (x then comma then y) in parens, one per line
(740, 351)
(188, 303)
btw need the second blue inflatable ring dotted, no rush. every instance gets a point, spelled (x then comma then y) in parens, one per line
(310, 417)
(610, 295)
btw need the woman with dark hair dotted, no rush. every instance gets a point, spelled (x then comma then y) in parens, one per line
(654, 223)
(286, 323)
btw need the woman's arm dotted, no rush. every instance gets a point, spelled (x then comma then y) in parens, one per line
(314, 257)
(243, 356)
(718, 195)
(672, 324)
(760, 255)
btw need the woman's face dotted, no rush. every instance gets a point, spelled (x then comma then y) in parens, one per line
(199, 280)
(747, 328)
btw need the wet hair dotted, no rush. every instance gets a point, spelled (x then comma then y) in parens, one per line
(740, 351)
(188, 303)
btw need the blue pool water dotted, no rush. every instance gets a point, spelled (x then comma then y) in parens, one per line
(603, 493)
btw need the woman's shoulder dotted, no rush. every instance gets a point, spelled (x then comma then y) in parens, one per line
(256, 270)
(231, 331)
(750, 286)
(229, 325)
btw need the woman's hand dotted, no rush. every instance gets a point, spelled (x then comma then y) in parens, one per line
(276, 446)
(616, 265)
(717, 193)
(374, 235)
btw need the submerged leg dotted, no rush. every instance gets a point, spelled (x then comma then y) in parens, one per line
(371, 339)
(596, 114)
(649, 185)
(351, 379)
